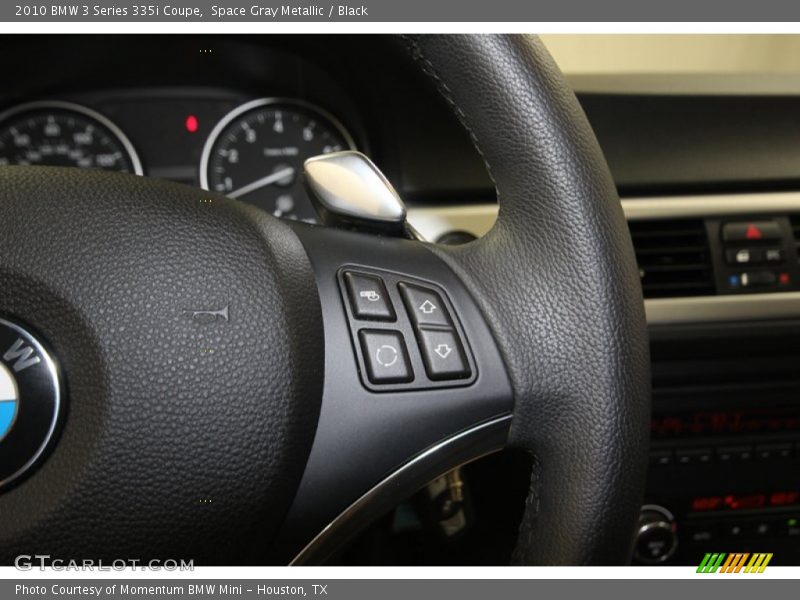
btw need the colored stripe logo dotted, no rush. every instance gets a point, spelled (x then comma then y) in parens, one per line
(737, 562)
(8, 401)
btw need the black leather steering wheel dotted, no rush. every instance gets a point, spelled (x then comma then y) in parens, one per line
(263, 436)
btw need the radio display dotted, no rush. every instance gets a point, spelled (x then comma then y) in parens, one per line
(726, 422)
(745, 502)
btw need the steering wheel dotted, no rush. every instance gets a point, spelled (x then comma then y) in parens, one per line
(237, 389)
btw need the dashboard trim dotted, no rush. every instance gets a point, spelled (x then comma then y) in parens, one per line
(722, 309)
(478, 220)
(717, 205)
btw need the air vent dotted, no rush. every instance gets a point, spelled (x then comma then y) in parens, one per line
(795, 221)
(674, 259)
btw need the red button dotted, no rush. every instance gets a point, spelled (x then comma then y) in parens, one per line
(753, 232)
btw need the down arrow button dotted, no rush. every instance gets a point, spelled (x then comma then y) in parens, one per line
(442, 354)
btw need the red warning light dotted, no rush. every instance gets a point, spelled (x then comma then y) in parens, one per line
(784, 279)
(753, 232)
(191, 124)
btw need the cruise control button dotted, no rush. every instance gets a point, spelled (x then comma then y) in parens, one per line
(443, 355)
(368, 297)
(385, 356)
(424, 305)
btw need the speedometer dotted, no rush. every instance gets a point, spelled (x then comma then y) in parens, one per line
(64, 134)
(256, 153)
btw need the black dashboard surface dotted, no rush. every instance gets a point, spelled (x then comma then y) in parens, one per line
(654, 143)
(684, 143)
(148, 85)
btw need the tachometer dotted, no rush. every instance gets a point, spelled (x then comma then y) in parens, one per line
(64, 134)
(256, 153)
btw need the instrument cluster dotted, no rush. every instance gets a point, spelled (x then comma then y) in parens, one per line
(251, 150)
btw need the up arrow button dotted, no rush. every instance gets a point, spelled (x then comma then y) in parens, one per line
(424, 305)
(428, 307)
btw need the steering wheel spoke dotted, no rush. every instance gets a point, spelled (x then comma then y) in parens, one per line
(414, 384)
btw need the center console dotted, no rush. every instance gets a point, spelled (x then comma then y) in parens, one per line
(725, 450)
(720, 277)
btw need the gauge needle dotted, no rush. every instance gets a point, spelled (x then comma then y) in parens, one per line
(264, 181)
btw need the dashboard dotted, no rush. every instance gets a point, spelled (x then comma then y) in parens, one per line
(709, 184)
(250, 150)
(224, 112)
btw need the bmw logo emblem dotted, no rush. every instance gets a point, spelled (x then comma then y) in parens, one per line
(30, 401)
(9, 398)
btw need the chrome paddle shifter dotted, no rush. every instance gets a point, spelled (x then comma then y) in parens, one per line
(347, 189)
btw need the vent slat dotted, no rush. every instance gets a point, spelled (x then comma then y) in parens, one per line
(660, 250)
(678, 286)
(673, 257)
(676, 267)
(673, 233)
